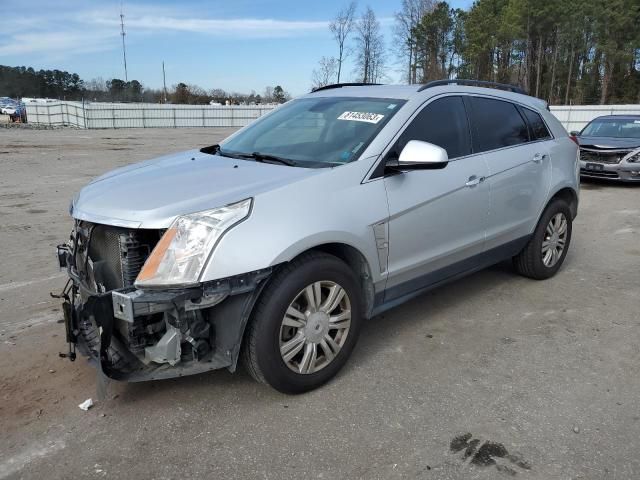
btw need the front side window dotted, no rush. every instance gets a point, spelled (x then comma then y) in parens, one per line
(443, 122)
(315, 132)
(496, 124)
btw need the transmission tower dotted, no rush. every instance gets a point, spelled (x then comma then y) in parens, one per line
(124, 51)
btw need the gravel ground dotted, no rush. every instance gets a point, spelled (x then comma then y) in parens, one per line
(542, 376)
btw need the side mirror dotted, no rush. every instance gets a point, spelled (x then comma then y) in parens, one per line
(574, 133)
(418, 155)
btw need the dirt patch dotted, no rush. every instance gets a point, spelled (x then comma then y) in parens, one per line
(38, 386)
(15, 228)
(17, 205)
(15, 196)
(19, 146)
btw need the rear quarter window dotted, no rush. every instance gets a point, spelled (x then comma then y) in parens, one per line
(539, 130)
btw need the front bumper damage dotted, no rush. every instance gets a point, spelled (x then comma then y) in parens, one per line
(137, 335)
(621, 172)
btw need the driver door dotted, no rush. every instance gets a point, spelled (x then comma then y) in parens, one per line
(438, 218)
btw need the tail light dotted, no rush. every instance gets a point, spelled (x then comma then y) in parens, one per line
(575, 139)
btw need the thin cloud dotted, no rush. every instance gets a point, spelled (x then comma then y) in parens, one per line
(65, 34)
(236, 27)
(58, 42)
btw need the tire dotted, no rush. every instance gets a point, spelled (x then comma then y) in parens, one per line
(532, 262)
(269, 334)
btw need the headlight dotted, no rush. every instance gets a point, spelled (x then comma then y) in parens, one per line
(182, 252)
(72, 204)
(633, 157)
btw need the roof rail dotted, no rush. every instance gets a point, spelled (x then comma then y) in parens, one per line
(473, 83)
(340, 85)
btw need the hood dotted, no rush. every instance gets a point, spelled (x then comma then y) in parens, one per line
(152, 193)
(609, 143)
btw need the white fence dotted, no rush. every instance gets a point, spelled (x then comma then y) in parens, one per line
(576, 117)
(57, 114)
(141, 115)
(151, 115)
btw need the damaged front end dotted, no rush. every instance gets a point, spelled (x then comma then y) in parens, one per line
(138, 334)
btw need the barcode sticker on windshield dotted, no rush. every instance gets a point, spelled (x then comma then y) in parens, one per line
(361, 117)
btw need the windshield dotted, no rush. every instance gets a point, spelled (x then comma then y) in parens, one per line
(613, 127)
(315, 132)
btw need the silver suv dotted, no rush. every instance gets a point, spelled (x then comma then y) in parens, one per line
(276, 245)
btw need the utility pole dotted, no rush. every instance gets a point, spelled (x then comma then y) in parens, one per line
(164, 82)
(124, 51)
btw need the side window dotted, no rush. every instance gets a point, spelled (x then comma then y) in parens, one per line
(539, 130)
(443, 123)
(496, 124)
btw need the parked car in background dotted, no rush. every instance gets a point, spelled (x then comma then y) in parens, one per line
(8, 106)
(277, 244)
(610, 148)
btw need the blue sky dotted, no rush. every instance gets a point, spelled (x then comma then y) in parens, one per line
(237, 45)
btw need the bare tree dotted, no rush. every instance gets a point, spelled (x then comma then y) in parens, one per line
(341, 26)
(407, 19)
(96, 85)
(268, 94)
(370, 59)
(325, 72)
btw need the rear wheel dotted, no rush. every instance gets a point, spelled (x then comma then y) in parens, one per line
(542, 257)
(304, 325)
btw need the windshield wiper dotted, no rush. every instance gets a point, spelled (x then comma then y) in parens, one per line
(265, 157)
(216, 150)
(257, 156)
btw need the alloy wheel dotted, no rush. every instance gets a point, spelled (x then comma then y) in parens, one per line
(315, 327)
(555, 239)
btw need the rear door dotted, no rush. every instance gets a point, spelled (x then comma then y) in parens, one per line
(519, 167)
(437, 217)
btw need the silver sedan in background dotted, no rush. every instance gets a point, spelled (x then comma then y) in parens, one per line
(610, 148)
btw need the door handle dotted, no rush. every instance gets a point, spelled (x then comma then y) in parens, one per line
(538, 157)
(473, 181)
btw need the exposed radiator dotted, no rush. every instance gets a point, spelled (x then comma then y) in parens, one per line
(116, 255)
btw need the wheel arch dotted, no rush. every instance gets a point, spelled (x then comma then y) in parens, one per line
(570, 196)
(357, 262)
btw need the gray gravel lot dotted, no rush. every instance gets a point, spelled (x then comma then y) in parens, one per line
(545, 375)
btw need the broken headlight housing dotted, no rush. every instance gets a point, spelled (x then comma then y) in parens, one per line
(633, 157)
(72, 203)
(182, 253)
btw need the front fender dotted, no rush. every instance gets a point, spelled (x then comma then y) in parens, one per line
(329, 208)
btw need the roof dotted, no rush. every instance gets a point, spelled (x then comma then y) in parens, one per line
(618, 117)
(406, 92)
(383, 91)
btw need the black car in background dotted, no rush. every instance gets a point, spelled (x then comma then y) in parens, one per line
(610, 148)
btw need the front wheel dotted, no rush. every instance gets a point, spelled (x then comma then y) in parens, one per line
(304, 325)
(542, 257)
